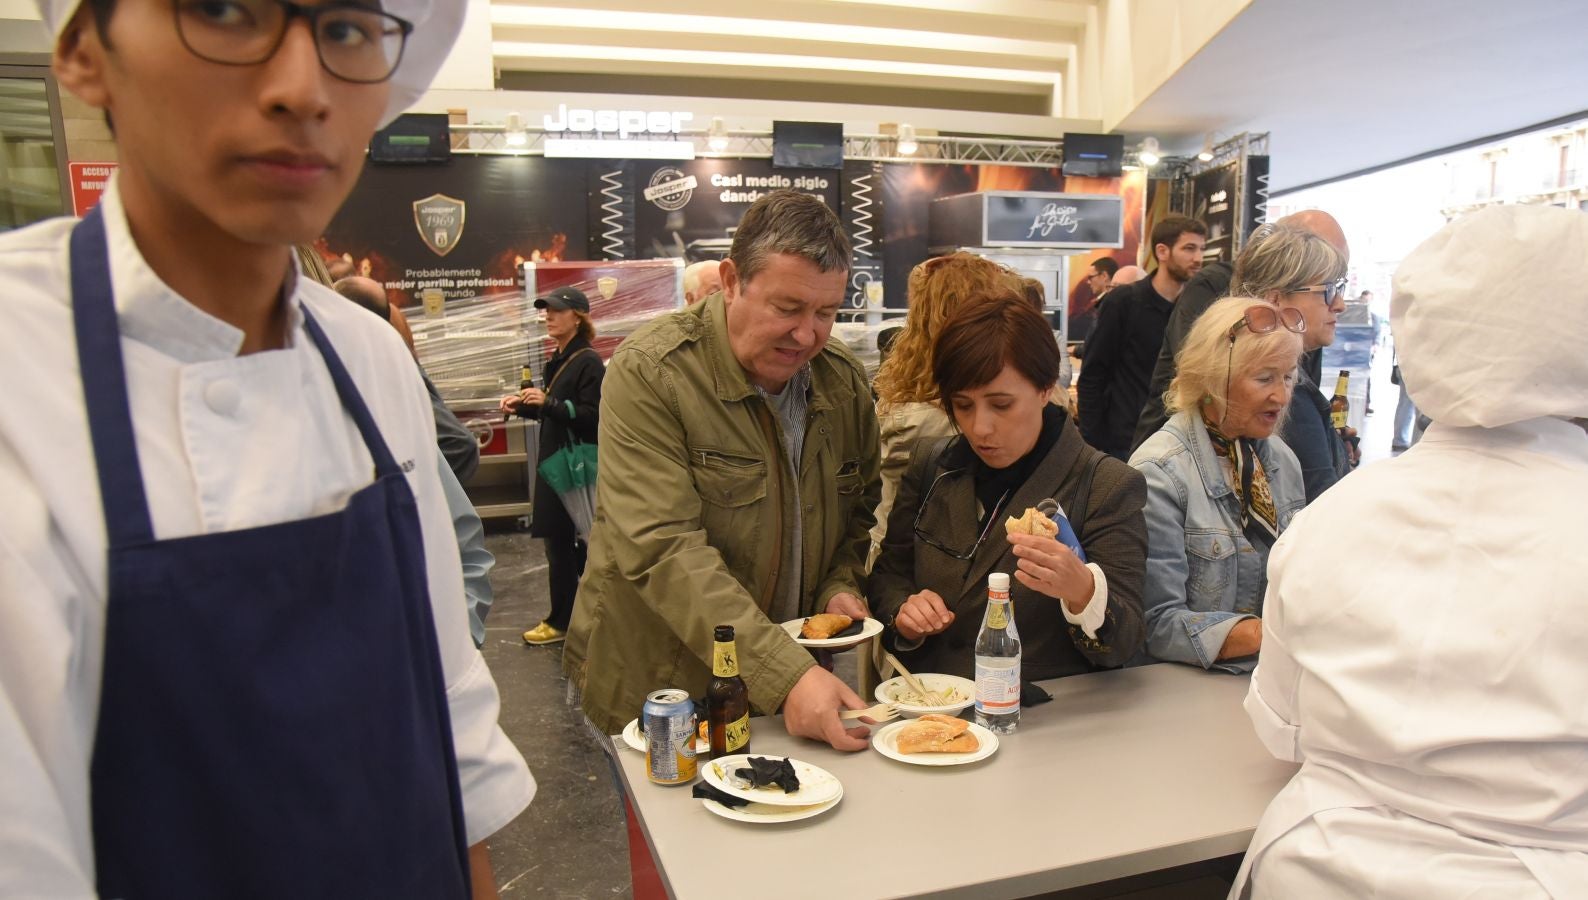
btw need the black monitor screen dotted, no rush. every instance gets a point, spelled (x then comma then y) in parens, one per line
(1094, 155)
(413, 138)
(807, 145)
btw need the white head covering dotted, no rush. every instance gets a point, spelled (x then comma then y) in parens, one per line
(1490, 317)
(436, 26)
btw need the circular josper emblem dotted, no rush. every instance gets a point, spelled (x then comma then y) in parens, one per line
(670, 189)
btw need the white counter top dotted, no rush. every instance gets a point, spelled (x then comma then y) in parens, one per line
(1124, 772)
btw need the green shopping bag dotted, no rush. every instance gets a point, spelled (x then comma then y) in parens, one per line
(571, 472)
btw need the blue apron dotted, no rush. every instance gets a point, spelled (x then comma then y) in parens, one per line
(273, 720)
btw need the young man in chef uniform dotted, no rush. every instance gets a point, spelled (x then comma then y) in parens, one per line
(234, 657)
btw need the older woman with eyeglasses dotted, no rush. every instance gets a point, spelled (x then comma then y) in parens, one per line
(1300, 271)
(994, 364)
(1220, 486)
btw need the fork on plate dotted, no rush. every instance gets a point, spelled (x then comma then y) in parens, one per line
(882, 712)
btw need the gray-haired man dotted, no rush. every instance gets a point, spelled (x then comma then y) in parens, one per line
(739, 461)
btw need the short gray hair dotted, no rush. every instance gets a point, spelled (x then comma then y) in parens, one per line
(1285, 259)
(793, 223)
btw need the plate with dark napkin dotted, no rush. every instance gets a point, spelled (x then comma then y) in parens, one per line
(718, 803)
(766, 781)
(858, 632)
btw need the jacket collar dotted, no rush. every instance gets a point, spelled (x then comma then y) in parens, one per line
(1193, 432)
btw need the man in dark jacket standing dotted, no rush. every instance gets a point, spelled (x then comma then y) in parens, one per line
(1120, 353)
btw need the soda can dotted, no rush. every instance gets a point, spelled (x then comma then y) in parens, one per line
(670, 727)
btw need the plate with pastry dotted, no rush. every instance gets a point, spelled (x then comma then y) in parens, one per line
(934, 740)
(831, 631)
(771, 780)
(767, 814)
(947, 695)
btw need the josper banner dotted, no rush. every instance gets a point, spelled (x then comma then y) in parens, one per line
(862, 217)
(465, 227)
(691, 208)
(908, 190)
(1215, 195)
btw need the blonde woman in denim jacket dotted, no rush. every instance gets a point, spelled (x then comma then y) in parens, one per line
(1220, 486)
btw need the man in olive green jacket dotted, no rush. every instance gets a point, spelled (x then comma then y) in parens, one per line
(703, 518)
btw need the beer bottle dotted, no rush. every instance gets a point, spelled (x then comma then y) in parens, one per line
(525, 380)
(727, 699)
(1340, 406)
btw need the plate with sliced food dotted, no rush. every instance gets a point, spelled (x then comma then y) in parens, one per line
(934, 740)
(831, 631)
(767, 814)
(945, 695)
(767, 779)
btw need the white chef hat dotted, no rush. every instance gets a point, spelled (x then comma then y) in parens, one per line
(1490, 317)
(436, 26)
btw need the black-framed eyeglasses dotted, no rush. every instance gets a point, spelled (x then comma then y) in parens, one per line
(355, 42)
(962, 555)
(1330, 290)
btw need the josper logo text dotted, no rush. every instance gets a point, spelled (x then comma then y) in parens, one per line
(625, 122)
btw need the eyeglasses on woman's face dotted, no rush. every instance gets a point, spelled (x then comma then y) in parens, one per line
(1330, 290)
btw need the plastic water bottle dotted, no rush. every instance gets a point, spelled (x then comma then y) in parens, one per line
(998, 660)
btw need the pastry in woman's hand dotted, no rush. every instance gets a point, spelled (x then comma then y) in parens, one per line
(1032, 521)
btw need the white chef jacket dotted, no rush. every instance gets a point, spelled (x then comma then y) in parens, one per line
(226, 442)
(1423, 659)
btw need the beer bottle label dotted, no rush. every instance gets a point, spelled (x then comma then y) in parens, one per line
(998, 615)
(1339, 418)
(724, 661)
(736, 734)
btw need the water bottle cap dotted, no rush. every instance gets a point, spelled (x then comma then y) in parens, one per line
(998, 581)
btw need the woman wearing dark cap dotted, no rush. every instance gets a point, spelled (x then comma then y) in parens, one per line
(994, 364)
(567, 409)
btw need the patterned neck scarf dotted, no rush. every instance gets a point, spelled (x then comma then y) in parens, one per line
(1245, 474)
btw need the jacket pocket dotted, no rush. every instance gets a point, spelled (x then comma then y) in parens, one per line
(1210, 558)
(848, 479)
(733, 491)
(727, 481)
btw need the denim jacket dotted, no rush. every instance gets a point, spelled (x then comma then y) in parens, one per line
(1203, 576)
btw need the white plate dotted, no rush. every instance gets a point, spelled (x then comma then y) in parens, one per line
(633, 736)
(966, 687)
(886, 741)
(869, 629)
(817, 786)
(767, 814)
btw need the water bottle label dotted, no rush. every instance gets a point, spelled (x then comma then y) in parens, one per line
(998, 615)
(997, 689)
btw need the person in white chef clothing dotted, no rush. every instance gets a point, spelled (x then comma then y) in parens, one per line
(234, 655)
(1424, 632)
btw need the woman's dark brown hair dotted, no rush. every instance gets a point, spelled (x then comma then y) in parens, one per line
(986, 333)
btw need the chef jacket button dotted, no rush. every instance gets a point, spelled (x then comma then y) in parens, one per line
(222, 397)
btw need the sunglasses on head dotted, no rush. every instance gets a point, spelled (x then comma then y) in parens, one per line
(1266, 319)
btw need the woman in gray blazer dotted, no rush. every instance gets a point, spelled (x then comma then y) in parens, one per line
(995, 363)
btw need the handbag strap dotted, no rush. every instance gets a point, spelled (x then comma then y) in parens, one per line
(563, 368)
